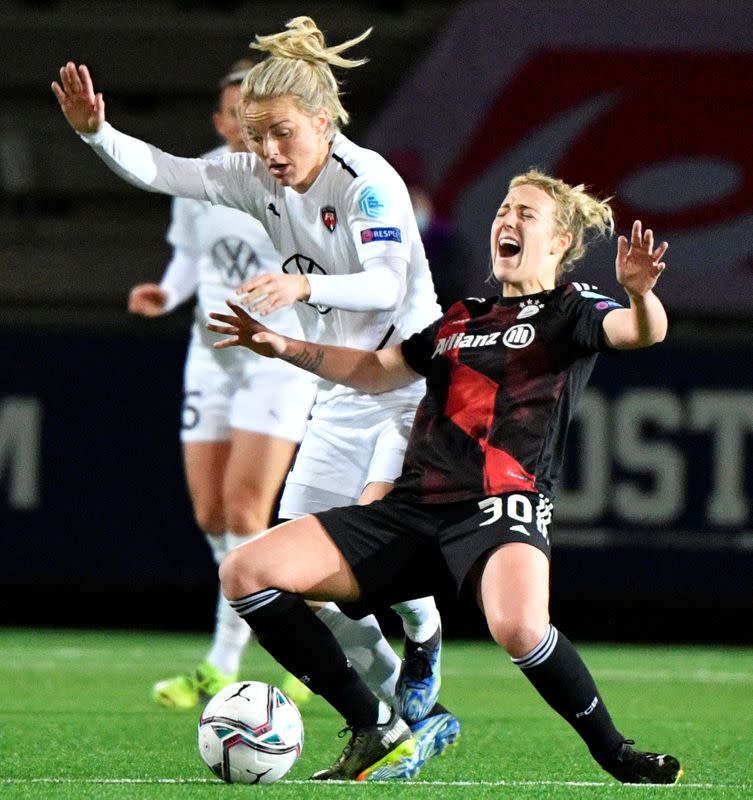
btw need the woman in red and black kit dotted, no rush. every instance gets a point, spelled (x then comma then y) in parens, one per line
(474, 502)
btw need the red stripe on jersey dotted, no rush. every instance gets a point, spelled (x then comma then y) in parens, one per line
(470, 405)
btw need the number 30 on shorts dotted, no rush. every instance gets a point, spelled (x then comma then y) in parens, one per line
(514, 506)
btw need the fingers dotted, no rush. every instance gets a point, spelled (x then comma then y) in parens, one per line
(223, 343)
(227, 330)
(648, 241)
(254, 283)
(73, 81)
(255, 298)
(240, 317)
(69, 78)
(238, 309)
(644, 240)
(85, 79)
(660, 251)
(622, 247)
(226, 318)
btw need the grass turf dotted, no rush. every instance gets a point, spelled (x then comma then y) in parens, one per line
(76, 721)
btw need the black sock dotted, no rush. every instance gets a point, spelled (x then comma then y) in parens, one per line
(563, 680)
(292, 634)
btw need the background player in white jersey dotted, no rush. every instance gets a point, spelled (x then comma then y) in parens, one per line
(353, 266)
(241, 419)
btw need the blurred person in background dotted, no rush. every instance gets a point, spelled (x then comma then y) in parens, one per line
(355, 270)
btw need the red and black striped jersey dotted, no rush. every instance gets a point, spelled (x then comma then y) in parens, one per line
(503, 376)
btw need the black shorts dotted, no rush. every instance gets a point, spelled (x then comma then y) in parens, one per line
(400, 550)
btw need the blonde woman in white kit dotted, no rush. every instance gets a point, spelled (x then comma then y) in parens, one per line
(354, 269)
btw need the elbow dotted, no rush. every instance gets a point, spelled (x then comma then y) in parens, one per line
(390, 295)
(659, 334)
(652, 338)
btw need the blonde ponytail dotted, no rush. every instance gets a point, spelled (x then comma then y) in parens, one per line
(299, 63)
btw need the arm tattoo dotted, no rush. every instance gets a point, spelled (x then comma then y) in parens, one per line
(309, 359)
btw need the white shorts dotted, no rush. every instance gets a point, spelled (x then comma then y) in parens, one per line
(351, 441)
(235, 388)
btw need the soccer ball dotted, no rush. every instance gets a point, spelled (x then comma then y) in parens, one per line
(250, 732)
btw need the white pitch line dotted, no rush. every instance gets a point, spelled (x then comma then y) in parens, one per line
(405, 784)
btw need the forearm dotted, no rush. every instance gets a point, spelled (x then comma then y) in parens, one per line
(180, 279)
(642, 324)
(380, 287)
(650, 319)
(145, 166)
(360, 369)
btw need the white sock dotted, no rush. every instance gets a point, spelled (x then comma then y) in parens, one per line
(369, 652)
(233, 540)
(217, 546)
(231, 632)
(420, 618)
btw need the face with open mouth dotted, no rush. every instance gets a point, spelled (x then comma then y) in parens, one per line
(525, 246)
(292, 144)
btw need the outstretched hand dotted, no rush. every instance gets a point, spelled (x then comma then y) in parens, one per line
(147, 299)
(268, 292)
(83, 108)
(639, 265)
(243, 330)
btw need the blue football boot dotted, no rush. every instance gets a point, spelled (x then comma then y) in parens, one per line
(419, 682)
(432, 735)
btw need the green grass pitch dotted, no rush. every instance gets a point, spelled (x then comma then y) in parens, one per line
(76, 721)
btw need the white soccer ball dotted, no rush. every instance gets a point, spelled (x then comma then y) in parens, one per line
(250, 732)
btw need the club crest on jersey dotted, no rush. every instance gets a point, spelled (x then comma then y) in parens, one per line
(529, 308)
(329, 218)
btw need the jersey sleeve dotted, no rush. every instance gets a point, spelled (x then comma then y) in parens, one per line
(237, 180)
(586, 307)
(380, 216)
(182, 230)
(181, 278)
(419, 348)
(233, 180)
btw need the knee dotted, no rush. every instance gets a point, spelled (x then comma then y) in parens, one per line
(517, 633)
(244, 520)
(210, 518)
(245, 514)
(239, 576)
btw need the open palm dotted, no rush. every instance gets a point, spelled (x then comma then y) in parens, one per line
(83, 108)
(638, 265)
(243, 330)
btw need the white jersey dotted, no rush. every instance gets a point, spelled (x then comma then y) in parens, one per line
(228, 248)
(357, 209)
(225, 248)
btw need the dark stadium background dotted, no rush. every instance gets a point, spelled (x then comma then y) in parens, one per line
(653, 539)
